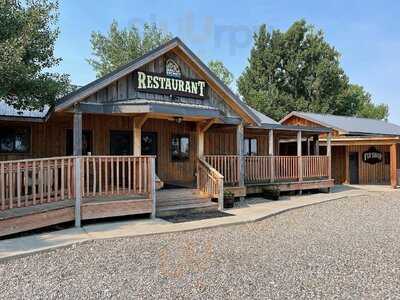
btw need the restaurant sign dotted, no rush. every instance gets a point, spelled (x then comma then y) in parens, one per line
(168, 85)
(372, 156)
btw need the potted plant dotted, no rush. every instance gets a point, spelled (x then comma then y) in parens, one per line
(229, 199)
(272, 192)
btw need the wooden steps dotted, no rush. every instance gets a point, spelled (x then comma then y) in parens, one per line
(178, 199)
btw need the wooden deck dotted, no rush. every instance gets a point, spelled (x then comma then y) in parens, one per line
(32, 217)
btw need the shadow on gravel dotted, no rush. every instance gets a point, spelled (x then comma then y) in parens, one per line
(195, 216)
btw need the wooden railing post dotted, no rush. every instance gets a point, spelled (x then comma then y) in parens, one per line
(78, 195)
(329, 154)
(153, 188)
(271, 154)
(240, 153)
(221, 194)
(299, 155)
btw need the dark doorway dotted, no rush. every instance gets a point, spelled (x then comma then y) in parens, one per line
(87, 142)
(149, 144)
(121, 143)
(353, 166)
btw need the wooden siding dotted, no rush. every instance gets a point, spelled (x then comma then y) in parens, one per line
(298, 121)
(123, 88)
(339, 164)
(372, 174)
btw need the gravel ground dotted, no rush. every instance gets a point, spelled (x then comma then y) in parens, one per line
(346, 248)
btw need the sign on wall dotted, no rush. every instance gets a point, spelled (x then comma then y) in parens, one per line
(372, 156)
(169, 83)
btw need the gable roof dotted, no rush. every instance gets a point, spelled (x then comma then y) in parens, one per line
(102, 82)
(349, 125)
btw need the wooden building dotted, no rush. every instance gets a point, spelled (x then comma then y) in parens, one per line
(162, 121)
(364, 151)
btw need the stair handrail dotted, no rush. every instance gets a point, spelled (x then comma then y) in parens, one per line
(210, 181)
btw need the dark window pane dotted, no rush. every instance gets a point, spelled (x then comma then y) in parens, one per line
(253, 147)
(246, 147)
(180, 148)
(15, 140)
(121, 143)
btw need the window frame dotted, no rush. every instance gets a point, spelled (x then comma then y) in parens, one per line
(29, 143)
(248, 143)
(179, 158)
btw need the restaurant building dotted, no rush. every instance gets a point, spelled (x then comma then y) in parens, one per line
(159, 134)
(364, 151)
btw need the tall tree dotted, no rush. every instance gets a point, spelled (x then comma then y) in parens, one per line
(298, 70)
(119, 46)
(221, 71)
(28, 33)
(355, 101)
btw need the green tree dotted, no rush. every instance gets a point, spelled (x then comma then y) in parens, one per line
(221, 71)
(120, 46)
(28, 31)
(355, 101)
(298, 70)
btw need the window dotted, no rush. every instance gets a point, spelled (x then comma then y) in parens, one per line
(180, 148)
(87, 142)
(121, 143)
(15, 139)
(387, 158)
(250, 146)
(172, 69)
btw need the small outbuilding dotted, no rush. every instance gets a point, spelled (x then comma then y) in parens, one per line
(364, 151)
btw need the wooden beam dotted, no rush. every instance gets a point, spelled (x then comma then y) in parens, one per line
(347, 164)
(316, 144)
(329, 154)
(77, 132)
(138, 122)
(240, 152)
(271, 147)
(300, 160)
(205, 125)
(393, 166)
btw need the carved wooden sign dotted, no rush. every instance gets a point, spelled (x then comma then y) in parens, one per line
(167, 85)
(372, 156)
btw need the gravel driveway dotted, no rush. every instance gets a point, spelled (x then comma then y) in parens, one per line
(347, 248)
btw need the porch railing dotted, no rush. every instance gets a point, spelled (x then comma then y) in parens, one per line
(315, 166)
(227, 165)
(31, 182)
(210, 181)
(259, 169)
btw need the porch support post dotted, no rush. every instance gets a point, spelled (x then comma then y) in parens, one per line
(308, 146)
(77, 137)
(316, 144)
(329, 154)
(201, 128)
(153, 188)
(347, 163)
(240, 153)
(271, 154)
(138, 122)
(300, 160)
(393, 166)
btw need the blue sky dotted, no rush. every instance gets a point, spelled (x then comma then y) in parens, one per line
(366, 33)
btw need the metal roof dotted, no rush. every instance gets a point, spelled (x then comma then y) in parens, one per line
(9, 111)
(263, 119)
(350, 125)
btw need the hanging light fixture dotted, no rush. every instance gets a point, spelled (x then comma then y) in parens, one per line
(178, 120)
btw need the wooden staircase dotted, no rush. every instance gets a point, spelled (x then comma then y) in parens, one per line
(169, 200)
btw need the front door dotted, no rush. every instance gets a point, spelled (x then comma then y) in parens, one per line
(353, 166)
(149, 144)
